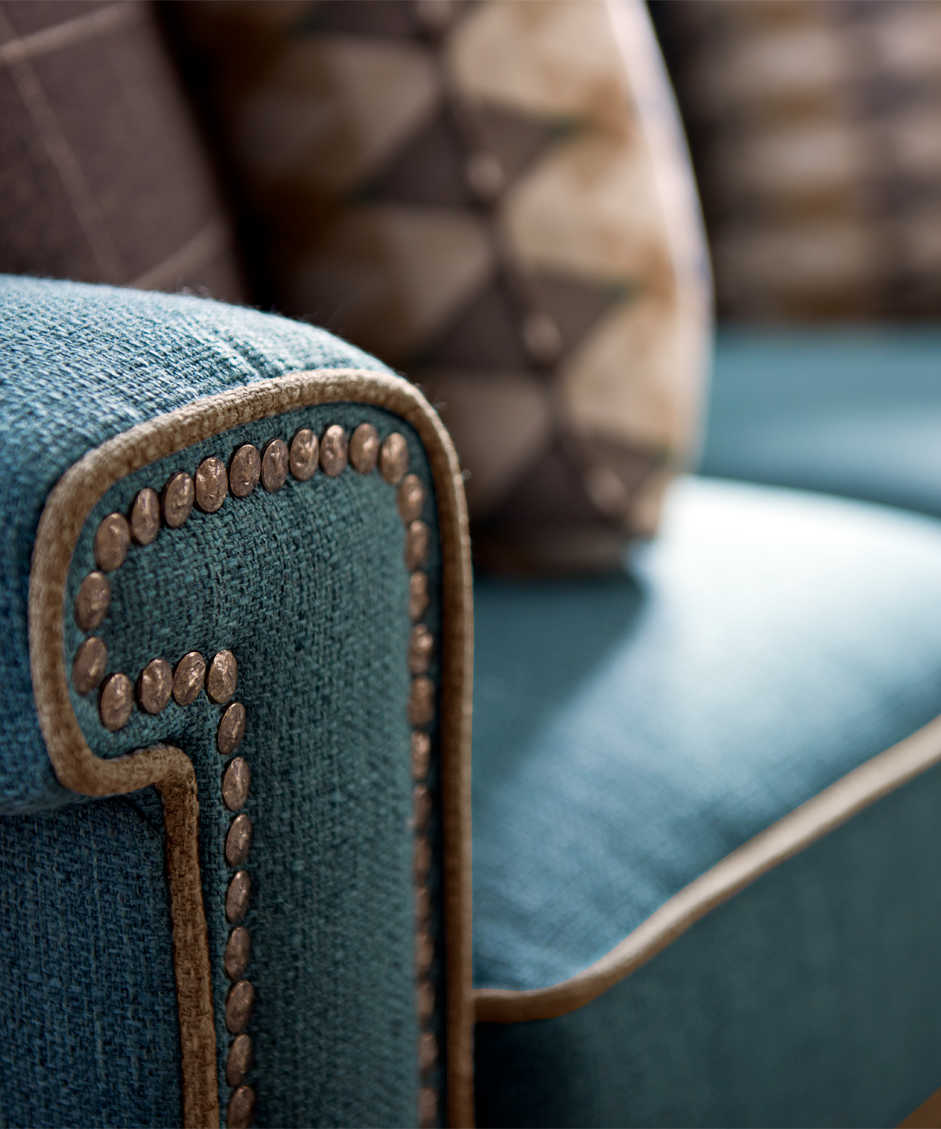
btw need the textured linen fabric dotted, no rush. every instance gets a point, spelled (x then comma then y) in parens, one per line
(809, 999)
(88, 1006)
(308, 587)
(104, 174)
(79, 364)
(848, 412)
(629, 735)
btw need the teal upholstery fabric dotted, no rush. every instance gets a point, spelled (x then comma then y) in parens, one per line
(631, 733)
(79, 364)
(308, 587)
(852, 412)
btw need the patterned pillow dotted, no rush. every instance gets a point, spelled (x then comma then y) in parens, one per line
(816, 133)
(493, 197)
(104, 178)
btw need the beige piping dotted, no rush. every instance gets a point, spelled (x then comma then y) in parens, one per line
(169, 769)
(785, 838)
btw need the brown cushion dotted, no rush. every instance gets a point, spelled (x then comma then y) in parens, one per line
(102, 174)
(816, 133)
(494, 198)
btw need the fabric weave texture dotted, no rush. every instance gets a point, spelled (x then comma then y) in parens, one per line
(769, 643)
(308, 587)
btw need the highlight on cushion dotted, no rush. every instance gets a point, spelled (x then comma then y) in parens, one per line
(494, 198)
(647, 952)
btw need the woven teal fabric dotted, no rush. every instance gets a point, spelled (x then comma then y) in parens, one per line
(308, 588)
(629, 734)
(88, 1007)
(849, 412)
(79, 364)
(810, 999)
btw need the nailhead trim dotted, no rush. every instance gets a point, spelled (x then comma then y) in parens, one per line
(113, 540)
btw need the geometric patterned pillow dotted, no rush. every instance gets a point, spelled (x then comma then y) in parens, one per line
(495, 198)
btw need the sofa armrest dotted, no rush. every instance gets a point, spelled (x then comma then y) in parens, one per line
(244, 631)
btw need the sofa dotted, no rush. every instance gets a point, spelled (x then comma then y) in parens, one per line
(250, 658)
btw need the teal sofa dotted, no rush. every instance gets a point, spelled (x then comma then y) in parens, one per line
(703, 792)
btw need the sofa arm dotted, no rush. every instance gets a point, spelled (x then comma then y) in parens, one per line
(237, 615)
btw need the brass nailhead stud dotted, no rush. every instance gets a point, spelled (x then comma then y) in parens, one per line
(393, 458)
(238, 896)
(155, 685)
(422, 861)
(411, 497)
(241, 1108)
(238, 1006)
(231, 729)
(422, 903)
(274, 465)
(222, 677)
(89, 664)
(178, 497)
(238, 840)
(416, 544)
(426, 1000)
(212, 484)
(427, 1108)
(421, 701)
(235, 783)
(92, 600)
(145, 516)
(417, 595)
(421, 805)
(188, 678)
(112, 538)
(421, 755)
(420, 646)
(303, 455)
(244, 470)
(333, 450)
(542, 338)
(116, 701)
(427, 1051)
(424, 951)
(238, 951)
(364, 448)
(239, 1060)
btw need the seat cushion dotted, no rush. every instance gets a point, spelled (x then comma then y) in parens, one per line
(854, 413)
(629, 736)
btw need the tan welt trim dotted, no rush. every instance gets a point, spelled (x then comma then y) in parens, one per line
(169, 769)
(817, 817)
(927, 1116)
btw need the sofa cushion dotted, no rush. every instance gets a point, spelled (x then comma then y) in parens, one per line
(849, 412)
(635, 737)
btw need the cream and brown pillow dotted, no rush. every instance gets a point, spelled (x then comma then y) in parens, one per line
(493, 197)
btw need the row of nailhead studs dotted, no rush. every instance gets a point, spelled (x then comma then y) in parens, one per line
(157, 683)
(207, 489)
(421, 712)
(240, 1000)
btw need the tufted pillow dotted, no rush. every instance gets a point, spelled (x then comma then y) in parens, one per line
(495, 198)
